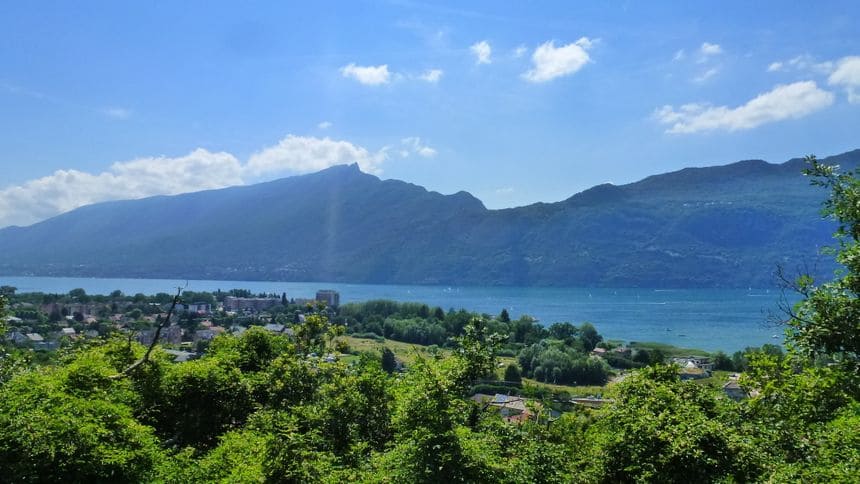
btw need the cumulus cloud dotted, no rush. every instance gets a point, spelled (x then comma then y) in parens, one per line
(482, 51)
(775, 67)
(414, 145)
(551, 62)
(368, 75)
(324, 125)
(520, 51)
(66, 190)
(708, 49)
(431, 75)
(300, 154)
(847, 76)
(789, 101)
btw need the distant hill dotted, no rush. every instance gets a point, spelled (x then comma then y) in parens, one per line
(725, 226)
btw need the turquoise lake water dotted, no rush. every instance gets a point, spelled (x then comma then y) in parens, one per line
(710, 319)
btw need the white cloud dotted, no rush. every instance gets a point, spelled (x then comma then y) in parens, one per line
(117, 113)
(65, 190)
(775, 67)
(482, 51)
(504, 191)
(847, 75)
(413, 144)
(706, 75)
(68, 189)
(551, 62)
(789, 101)
(368, 75)
(679, 55)
(300, 154)
(802, 63)
(431, 75)
(520, 51)
(708, 49)
(806, 62)
(324, 125)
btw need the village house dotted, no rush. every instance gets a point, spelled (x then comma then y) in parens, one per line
(733, 389)
(250, 304)
(17, 338)
(197, 308)
(513, 409)
(330, 297)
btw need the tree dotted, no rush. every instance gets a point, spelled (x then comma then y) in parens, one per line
(723, 362)
(55, 315)
(315, 333)
(563, 330)
(657, 357)
(79, 295)
(2, 315)
(477, 350)
(73, 424)
(389, 362)
(663, 430)
(504, 316)
(512, 373)
(826, 322)
(589, 336)
(202, 399)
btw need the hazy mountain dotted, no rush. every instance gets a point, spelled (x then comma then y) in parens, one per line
(705, 227)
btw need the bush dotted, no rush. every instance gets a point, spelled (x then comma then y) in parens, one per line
(373, 336)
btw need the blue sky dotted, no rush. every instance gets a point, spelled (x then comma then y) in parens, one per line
(515, 103)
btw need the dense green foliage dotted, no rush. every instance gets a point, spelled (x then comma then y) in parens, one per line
(554, 361)
(697, 227)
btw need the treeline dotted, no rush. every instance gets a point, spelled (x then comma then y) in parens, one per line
(421, 324)
(555, 354)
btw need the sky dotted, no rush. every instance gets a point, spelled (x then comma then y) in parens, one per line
(514, 102)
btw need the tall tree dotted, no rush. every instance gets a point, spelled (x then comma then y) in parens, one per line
(827, 321)
(389, 362)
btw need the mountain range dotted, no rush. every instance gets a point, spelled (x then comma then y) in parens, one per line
(723, 226)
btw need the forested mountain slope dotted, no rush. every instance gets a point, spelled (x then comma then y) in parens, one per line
(725, 226)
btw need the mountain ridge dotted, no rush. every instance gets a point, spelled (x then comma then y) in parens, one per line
(724, 226)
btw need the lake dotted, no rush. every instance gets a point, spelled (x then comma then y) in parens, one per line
(709, 319)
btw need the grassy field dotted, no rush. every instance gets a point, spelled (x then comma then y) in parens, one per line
(407, 353)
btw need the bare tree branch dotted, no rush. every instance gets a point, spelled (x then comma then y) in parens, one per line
(161, 324)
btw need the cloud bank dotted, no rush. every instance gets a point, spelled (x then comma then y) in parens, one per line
(201, 169)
